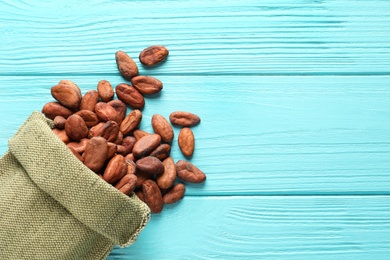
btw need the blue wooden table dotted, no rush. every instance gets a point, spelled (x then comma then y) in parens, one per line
(294, 98)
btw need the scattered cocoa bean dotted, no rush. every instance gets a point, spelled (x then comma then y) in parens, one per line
(153, 196)
(189, 172)
(105, 90)
(153, 55)
(184, 119)
(162, 127)
(126, 65)
(174, 194)
(186, 141)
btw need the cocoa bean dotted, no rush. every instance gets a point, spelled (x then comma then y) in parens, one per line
(128, 143)
(189, 172)
(78, 156)
(76, 128)
(153, 55)
(59, 122)
(131, 122)
(126, 65)
(150, 165)
(186, 141)
(89, 100)
(89, 117)
(120, 108)
(161, 152)
(174, 194)
(105, 112)
(127, 184)
(62, 135)
(168, 177)
(53, 109)
(108, 130)
(146, 145)
(184, 119)
(115, 169)
(79, 146)
(162, 127)
(105, 90)
(153, 196)
(95, 154)
(147, 85)
(130, 96)
(138, 133)
(67, 93)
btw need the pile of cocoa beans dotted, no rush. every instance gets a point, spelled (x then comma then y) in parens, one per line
(98, 130)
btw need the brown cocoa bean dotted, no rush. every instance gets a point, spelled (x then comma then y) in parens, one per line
(79, 146)
(62, 135)
(161, 152)
(153, 196)
(127, 184)
(153, 55)
(150, 165)
(126, 65)
(130, 96)
(130, 157)
(168, 177)
(89, 101)
(105, 90)
(120, 149)
(78, 156)
(112, 150)
(147, 85)
(131, 122)
(128, 143)
(105, 112)
(89, 117)
(138, 133)
(115, 169)
(141, 178)
(108, 130)
(76, 128)
(95, 154)
(67, 93)
(131, 167)
(59, 122)
(186, 141)
(162, 127)
(146, 145)
(120, 108)
(53, 109)
(189, 172)
(184, 119)
(174, 194)
(119, 138)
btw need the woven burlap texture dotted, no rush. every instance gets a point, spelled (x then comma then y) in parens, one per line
(53, 207)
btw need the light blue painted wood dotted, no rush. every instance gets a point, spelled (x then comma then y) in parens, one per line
(218, 37)
(294, 99)
(308, 227)
(258, 135)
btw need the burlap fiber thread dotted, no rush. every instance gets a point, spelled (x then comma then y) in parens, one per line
(53, 207)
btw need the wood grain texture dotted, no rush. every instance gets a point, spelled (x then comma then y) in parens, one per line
(289, 227)
(218, 37)
(294, 98)
(258, 135)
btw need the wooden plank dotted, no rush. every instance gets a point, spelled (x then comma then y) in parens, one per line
(258, 135)
(222, 37)
(286, 227)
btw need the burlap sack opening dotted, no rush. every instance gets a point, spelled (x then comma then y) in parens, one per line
(53, 207)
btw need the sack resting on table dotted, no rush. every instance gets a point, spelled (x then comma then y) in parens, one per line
(53, 207)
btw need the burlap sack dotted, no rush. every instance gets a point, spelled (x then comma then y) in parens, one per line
(53, 207)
